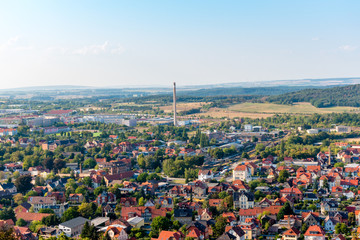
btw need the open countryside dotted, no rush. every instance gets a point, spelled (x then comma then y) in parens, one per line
(303, 107)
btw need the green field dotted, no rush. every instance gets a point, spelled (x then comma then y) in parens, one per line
(97, 134)
(279, 108)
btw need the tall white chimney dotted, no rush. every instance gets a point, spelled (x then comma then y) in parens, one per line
(174, 104)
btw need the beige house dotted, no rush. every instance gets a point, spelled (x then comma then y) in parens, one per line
(47, 202)
(243, 200)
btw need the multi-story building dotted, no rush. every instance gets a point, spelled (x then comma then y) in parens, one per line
(243, 200)
(8, 132)
(105, 197)
(242, 172)
(73, 227)
(343, 129)
(48, 202)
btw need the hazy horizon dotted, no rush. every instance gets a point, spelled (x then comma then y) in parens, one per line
(153, 43)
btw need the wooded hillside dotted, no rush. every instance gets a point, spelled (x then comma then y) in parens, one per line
(321, 98)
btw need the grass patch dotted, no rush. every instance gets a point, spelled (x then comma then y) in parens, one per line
(97, 134)
(179, 181)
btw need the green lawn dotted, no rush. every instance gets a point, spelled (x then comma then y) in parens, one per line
(97, 134)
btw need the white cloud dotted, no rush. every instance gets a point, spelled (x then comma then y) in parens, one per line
(57, 50)
(118, 50)
(15, 43)
(9, 43)
(104, 48)
(92, 49)
(348, 48)
(19, 44)
(315, 39)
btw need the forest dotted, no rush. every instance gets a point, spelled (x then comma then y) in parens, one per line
(322, 98)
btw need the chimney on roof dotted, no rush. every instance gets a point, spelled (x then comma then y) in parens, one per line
(174, 104)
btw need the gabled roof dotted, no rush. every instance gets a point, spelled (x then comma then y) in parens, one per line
(249, 195)
(238, 231)
(292, 232)
(194, 233)
(205, 172)
(166, 235)
(115, 229)
(339, 237)
(314, 230)
(226, 236)
(26, 205)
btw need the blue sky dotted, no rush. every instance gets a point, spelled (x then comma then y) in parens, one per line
(122, 43)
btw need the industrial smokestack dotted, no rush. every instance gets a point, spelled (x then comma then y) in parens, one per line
(174, 104)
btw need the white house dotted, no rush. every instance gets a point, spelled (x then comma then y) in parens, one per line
(329, 224)
(248, 127)
(349, 194)
(312, 131)
(73, 227)
(205, 175)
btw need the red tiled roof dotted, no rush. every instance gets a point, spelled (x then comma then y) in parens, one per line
(292, 190)
(230, 216)
(214, 202)
(8, 222)
(166, 235)
(241, 168)
(29, 217)
(194, 233)
(305, 214)
(58, 112)
(313, 168)
(314, 230)
(292, 232)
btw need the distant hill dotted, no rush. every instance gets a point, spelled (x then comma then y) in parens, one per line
(329, 97)
(235, 91)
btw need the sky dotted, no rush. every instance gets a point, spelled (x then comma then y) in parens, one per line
(153, 43)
